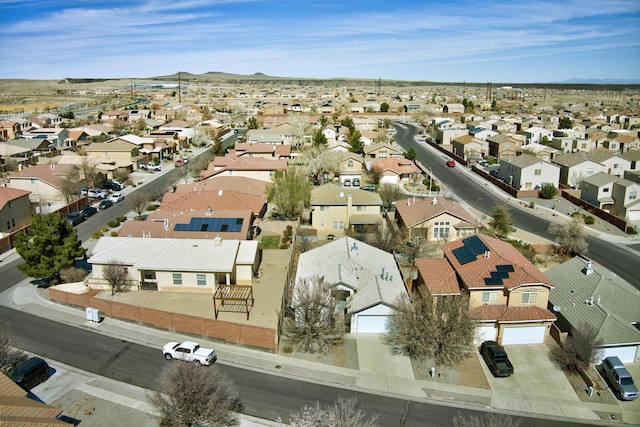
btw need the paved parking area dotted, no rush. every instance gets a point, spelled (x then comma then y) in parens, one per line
(536, 378)
(631, 410)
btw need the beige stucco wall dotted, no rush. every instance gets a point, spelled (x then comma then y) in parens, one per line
(542, 299)
(475, 298)
(18, 211)
(47, 192)
(113, 155)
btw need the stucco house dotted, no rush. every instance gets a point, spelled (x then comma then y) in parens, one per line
(435, 219)
(588, 295)
(508, 295)
(597, 189)
(365, 280)
(350, 166)
(469, 147)
(395, 171)
(574, 167)
(335, 208)
(626, 203)
(175, 265)
(15, 210)
(249, 167)
(528, 172)
(503, 146)
(383, 150)
(41, 181)
(537, 134)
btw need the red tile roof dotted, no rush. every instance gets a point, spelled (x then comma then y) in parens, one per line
(503, 313)
(438, 275)
(8, 194)
(419, 211)
(473, 273)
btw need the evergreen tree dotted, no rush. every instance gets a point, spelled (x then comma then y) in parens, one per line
(319, 138)
(411, 154)
(356, 145)
(501, 221)
(51, 245)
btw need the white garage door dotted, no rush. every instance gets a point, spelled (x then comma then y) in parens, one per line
(524, 335)
(485, 333)
(625, 354)
(372, 324)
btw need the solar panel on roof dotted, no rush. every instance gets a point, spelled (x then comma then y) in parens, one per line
(475, 245)
(464, 255)
(493, 281)
(505, 267)
(500, 274)
(232, 225)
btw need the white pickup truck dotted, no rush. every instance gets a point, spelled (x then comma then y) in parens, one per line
(189, 351)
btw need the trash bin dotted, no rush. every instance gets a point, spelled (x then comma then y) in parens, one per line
(89, 313)
(95, 315)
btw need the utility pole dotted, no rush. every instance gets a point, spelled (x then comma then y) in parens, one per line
(179, 88)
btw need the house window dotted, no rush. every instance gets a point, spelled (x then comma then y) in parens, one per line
(590, 171)
(633, 195)
(350, 163)
(324, 208)
(529, 297)
(13, 222)
(605, 190)
(33, 181)
(177, 278)
(538, 172)
(489, 297)
(338, 225)
(8, 225)
(201, 279)
(271, 173)
(10, 204)
(361, 208)
(441, 230)
(615, 165)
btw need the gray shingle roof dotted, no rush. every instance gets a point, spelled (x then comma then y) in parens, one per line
(615, 302)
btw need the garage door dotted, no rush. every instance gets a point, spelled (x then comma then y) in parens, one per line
(372, 324)
(485, 333)
(625, 354)
(524, 335)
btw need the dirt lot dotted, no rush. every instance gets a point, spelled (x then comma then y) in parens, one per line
(466, 373)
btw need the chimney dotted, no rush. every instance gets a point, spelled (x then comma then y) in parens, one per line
(434, 201)
(217, 241)
(382, 274)
(220, 193)
(209, 210)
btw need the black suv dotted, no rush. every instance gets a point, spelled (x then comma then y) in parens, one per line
(30, 373)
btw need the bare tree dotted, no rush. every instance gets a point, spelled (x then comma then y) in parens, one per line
(316, 325)
(570, 237)
(343, 413)
(117, 276)
(138, 203)
(194, 395)
(387, 237)
(375, 174)
(389, 193)
(9, 355)
(69, 183)
(488, 420)
(417, 247)
(580, 350)
(288, 192)
(319, 159)
(431, 327)
(89, 171)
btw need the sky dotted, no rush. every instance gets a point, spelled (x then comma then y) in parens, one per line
(444, 41)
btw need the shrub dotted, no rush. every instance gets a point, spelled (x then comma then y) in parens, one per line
(532, 205)
(631, 230)
(152, 207)
(114, 234)
(113, 224)
(589, 220)
(287, 349)
(121, 219)
(96, 234)
(283, 246)
(73, 274)
(548, 191)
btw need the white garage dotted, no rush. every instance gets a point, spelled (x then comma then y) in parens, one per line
(485, 333)
(372, 320)
(626, 354)
(524, 335)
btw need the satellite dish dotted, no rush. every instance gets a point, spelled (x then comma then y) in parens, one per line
(557, 308)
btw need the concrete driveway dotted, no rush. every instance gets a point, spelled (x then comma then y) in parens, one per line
(537, 386)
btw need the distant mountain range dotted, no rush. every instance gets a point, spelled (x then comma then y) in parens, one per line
(601, 81)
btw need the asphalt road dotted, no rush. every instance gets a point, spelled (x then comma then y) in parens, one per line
(616, 257)
(263, 395)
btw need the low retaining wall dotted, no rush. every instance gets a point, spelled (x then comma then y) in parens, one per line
(235, 333)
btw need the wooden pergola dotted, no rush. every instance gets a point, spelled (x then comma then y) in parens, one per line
(233, 298)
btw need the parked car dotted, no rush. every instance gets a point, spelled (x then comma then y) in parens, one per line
(96, 193)
(619, 378)
(451, 163)
(368, 187)
(116, 197)
(190, 352)
(356, 182)
(107, 203)
(75, 218)
(346, 182)
(30, 373)
(496, 359)
(112, 185)
(89, 211)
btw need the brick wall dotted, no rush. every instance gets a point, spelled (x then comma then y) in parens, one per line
(235, 333)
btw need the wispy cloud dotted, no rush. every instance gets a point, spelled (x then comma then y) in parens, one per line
(414, 40)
